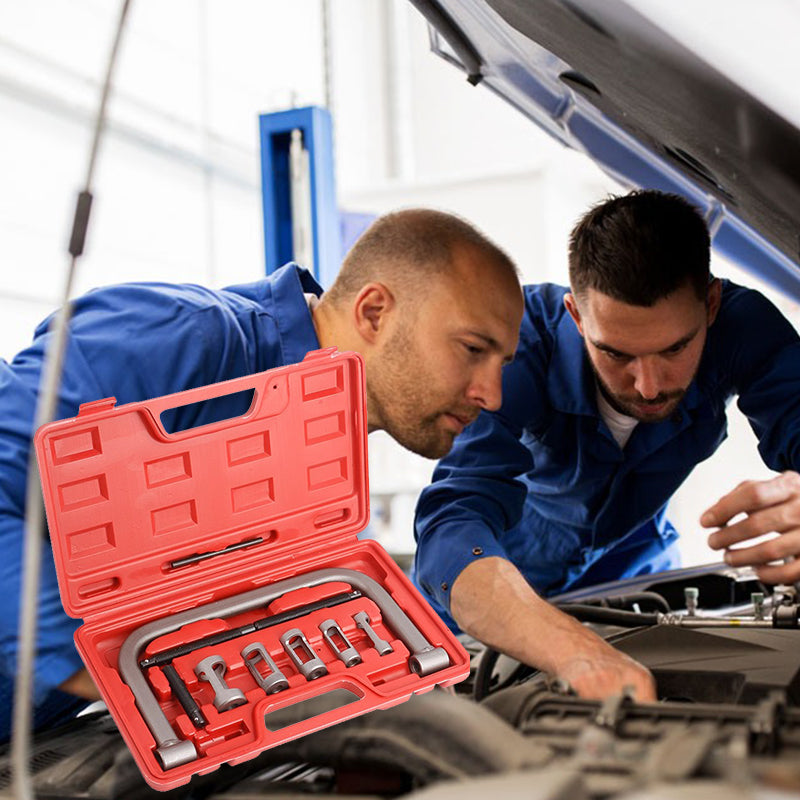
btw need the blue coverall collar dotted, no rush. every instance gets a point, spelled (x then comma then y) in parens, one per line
(570, 380)
(290, 284)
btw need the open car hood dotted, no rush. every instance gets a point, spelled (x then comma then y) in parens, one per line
(603, 78)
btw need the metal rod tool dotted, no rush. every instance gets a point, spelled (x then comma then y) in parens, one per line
(184, 696)
(195, 557)
(243, 630)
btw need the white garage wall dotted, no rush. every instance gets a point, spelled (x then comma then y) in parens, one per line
(177, 194)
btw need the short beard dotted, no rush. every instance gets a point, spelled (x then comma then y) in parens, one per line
(396, 394)
(623, 408)
(427, 440)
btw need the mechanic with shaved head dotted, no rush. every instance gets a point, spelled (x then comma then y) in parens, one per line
(617, 390)
(431, 304)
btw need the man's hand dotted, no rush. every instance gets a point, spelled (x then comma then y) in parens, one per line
(493, 602)
(771, 506)
(596, 670)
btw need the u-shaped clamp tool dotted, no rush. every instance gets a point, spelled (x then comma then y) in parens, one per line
(172, 751)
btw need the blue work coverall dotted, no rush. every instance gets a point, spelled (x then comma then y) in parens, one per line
(132, 342)
(543, 483)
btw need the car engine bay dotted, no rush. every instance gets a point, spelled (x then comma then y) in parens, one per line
(722, 647)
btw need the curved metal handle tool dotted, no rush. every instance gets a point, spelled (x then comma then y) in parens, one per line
(173, 751)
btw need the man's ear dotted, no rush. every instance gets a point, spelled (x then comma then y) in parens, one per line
(371, 310)
(571, 304)
(713, 299)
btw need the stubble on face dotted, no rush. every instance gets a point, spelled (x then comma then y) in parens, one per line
(611, 326)
(636, 407)
(402, 395)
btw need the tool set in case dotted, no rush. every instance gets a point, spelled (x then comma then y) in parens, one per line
(218, 571)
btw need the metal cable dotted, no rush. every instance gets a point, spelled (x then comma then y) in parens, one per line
(34, 506)
(608, 616)
(327, 54)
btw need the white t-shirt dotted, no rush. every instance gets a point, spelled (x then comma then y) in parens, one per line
(620, 425)
(311, 300)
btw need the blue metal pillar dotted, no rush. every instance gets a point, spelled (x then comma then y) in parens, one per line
(314, 124)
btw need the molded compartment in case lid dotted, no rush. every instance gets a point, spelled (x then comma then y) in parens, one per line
(137, 514)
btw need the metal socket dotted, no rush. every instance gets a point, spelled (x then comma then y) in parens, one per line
(308, 663)
(275, 680)
(333, 634)
(212, 669)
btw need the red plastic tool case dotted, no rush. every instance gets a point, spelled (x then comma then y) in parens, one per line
(140, 521)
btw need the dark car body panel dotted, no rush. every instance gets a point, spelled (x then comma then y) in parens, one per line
(602, 78)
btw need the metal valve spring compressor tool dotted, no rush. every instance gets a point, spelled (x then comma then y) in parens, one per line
(172, 751)
(182, 694)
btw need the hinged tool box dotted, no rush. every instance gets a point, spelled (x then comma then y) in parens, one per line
(218, 571)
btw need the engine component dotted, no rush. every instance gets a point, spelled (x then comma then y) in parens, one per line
(691, 595)
(758, 604)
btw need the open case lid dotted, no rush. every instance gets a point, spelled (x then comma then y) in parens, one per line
(134, 511)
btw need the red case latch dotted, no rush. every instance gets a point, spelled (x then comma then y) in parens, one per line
(96, 406)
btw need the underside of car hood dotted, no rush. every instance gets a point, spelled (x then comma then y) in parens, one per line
(604, 79)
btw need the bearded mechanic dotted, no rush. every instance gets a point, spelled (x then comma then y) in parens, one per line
(617, 390)
(432, 305)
